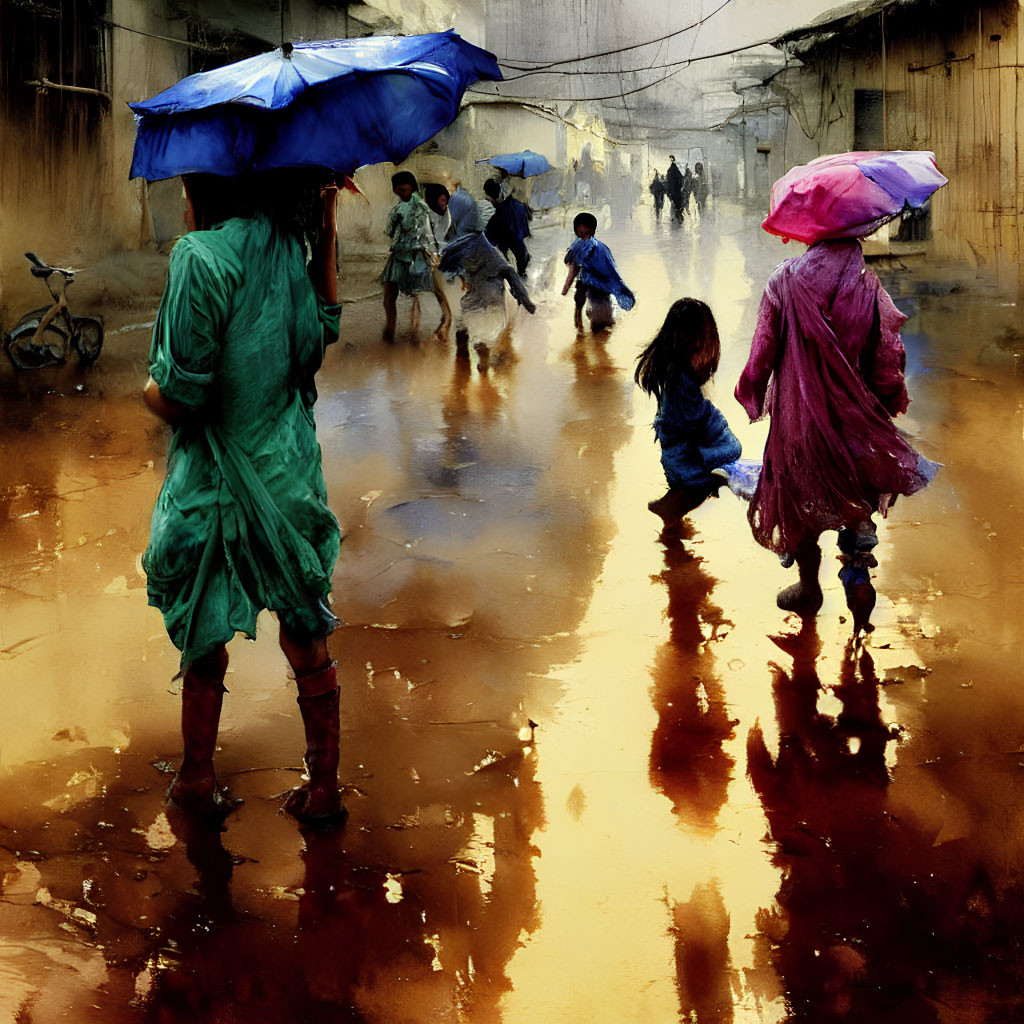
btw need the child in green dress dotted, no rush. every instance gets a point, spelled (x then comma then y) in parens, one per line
(413, 256)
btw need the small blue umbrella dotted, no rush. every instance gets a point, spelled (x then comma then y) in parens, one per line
(337, 104)
(526, 164)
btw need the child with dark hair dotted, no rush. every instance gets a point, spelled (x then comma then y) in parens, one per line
(593, 268)
(413, 255)
(695, 439)
(509, 227)
(437, 197)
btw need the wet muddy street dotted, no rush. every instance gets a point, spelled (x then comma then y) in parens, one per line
(594, 774)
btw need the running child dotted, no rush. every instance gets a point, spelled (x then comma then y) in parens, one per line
(593, 268)
(413, 255)
(695, 439)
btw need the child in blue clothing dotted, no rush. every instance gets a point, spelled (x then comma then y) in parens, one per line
(597, 279)
(695, 439)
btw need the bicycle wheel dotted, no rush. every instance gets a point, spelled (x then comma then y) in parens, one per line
(87, 337)
(27, 353)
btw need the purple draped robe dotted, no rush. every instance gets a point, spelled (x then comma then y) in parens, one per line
(826, 364)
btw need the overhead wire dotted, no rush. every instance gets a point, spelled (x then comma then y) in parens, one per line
(541, 65)
(683, 64)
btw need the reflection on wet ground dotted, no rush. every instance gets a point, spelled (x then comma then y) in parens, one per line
(594, 774)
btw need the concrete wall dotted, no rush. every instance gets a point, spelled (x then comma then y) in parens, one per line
(968, 109)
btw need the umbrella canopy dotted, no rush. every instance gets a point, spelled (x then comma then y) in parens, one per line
(526, 164)
(850, 195)
(336, 104)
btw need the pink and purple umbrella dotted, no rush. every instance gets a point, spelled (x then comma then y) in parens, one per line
(850, 195)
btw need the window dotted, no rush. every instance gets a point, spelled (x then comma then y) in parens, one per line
(61, 41)
(867, 119)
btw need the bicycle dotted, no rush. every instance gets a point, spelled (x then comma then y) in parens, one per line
(46, 336)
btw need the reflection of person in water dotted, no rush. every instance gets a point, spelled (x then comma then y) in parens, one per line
(689, 766)
(459, 454)
(687, 761)
(871, 909)
(330, 950)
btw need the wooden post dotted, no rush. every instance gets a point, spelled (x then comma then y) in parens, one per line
(885, 119)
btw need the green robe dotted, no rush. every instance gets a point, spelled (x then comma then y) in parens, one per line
(242, 521)
(412, 243)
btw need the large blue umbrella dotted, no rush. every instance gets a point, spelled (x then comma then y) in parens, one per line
(526, 164)
(337, 104)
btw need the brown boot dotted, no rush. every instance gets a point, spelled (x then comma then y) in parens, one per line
(195, 789)
(804, 597)
(318, 802)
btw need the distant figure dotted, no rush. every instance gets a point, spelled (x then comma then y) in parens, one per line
(509, 227)
(593, 268)
(694, 436)
(412, 257)
(674, 188)
(828, 341)
(687, 188)
(657, 189)
(701, 186)
(503, 183)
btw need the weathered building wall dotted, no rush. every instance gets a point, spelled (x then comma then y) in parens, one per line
(588, 169)
(951, 81)
(64, 189)
(64, 162)
(65, 158)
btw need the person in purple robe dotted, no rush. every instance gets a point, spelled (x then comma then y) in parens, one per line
(826, 365)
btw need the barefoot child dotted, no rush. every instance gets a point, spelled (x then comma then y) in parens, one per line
(695, 439)
(413, 255)
(591, 265)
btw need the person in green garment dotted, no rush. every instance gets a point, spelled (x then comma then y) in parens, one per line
(412, 258)
(242, 522)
